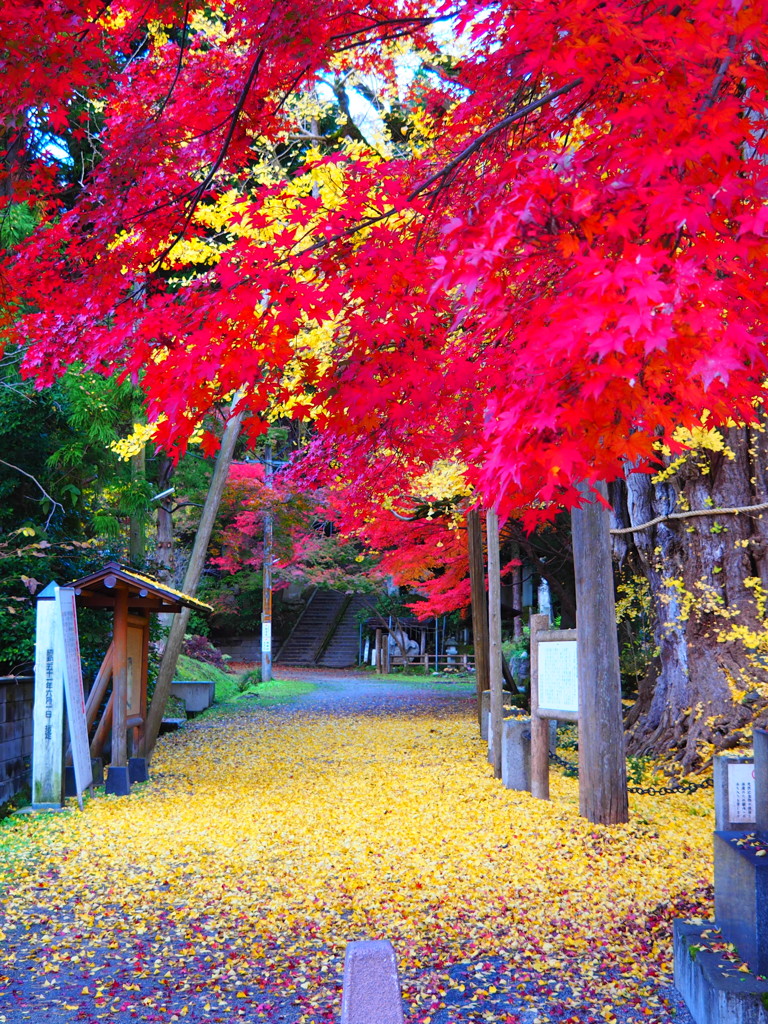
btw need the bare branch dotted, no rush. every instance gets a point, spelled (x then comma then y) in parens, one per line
(54, 504)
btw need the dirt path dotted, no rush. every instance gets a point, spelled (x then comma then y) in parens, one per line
(227, 887)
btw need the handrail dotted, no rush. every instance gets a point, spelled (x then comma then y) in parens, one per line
(335, 623)
(285, 642)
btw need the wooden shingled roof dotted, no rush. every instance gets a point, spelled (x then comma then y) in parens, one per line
(98, 590)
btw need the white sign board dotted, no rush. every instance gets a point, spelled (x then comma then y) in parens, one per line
(57, 676)
(48, 712)
(558, 676)
(741, 793)
(71, 668)
(266, 637)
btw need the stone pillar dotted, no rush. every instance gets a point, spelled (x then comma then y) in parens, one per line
(516, 753)
(760, 744)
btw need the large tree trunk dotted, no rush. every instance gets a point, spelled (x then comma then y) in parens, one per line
(706, 578)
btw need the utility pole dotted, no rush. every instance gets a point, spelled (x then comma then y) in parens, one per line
(136, 541)
(494, 639)
(266, 602)
(479, 604)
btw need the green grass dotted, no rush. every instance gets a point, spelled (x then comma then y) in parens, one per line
(228, 692)
(443, 682)
(196, 671)
(277, 691)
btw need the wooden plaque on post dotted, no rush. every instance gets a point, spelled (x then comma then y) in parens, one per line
(554, 693)
(558, 675)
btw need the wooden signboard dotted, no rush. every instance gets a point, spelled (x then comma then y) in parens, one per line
(558, 676)
(48, 713)
(554, 692)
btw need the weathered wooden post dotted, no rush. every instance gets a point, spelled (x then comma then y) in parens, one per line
(539, 726)
(118, 781)
(602, 761)
(479, 605)
(266, 575)
(494, 639)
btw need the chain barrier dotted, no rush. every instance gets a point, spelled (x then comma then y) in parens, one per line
(689, 787)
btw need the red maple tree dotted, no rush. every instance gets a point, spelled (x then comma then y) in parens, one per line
(570, 269)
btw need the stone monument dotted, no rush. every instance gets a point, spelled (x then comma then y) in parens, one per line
(715, 989)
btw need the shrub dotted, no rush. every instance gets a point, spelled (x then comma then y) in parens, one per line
(201, 649)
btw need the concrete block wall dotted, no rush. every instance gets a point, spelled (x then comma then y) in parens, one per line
(15, 737)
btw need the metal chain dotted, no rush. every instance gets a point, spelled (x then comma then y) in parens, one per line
(688, 787)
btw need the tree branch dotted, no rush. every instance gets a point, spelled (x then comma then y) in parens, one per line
(54, 504)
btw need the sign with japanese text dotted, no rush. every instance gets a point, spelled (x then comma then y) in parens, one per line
(741, 793)
(48, 713)
(558, 676)
(58, 679)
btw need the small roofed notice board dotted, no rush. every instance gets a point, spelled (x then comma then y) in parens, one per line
(741, 793)
(58, 681)
(558, 677)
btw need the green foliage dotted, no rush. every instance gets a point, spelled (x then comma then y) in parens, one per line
(633, 616)
(18, 221)
(638, 769)
(249, 680)
(236, 599)
(25, 568)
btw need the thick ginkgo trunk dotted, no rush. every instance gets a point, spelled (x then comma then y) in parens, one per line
(707, 579)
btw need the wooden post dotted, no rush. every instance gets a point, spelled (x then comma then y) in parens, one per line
(102, 729)
(194, 571)
(119, 757)
(494, 639)
(266, 576)
(99, 688)
(144, 683)
(539, 726)
(379, 660)
(479, 604)
(517, 596)
(136, 541)
(602, 760)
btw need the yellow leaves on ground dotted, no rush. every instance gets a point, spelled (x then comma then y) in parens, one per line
(264, 844)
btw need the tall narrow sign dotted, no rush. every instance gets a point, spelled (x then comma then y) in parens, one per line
(48, 714)
(58, 678)
(68, 644)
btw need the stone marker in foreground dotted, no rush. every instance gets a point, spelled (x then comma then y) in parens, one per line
(741, 874)
(716, 991)
(371, 992)
(734, 781)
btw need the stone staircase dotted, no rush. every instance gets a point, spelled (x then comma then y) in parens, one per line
(342, 648)
(326, 633)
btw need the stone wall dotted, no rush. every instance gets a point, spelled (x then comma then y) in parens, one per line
(15, 736)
